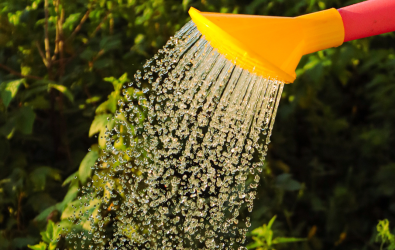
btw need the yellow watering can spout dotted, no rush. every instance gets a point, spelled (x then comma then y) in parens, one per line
(270, 46)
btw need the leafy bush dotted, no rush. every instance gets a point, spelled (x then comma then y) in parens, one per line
(384, 235)
(263, 237)
(330, 168)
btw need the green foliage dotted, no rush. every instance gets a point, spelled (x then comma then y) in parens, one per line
(55, 74)
(384, 235)
(330, 168)
(50, 237)
(263, 238)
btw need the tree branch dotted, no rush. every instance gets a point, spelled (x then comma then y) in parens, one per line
(63, 124)
(41, 54)
(15, 73)
(100, 24)
(52, 94)
(19, 211)
(56, 51)
(68, 60)
(79, 26)
(61, 38)
(46, 40)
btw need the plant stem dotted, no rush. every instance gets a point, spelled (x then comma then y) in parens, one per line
(19, 74)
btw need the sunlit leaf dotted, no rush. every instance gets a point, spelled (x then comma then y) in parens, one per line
(70, 179)
(93, 99)
(62, 89)
(99, 124)
(8, 129)
(51, 234)
(71, 20)
(9, 89)
(84, 172)
(269, 225)
(39, 246)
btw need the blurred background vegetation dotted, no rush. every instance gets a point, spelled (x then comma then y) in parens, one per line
(330, 173)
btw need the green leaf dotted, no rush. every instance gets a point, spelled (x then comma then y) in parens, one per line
(20, 242)
(39, 246)
(117, 83)
(25, 120)
(9, 89)
(384, 235)
(88, 54)
(40, 175)
(51, 234)
(39, 102)
(45, 236)
(185, 4)
(285, 181)
(269, 225)
(99, 124)
(84, 172)
(34, 90)
(70, 209)
(123, 79)
(257, 243)
(259, 231)
(70, 179)
(93, 99)
(112, 102)
(62, 89)
(110, 79)
(8, 129)
(269, 237)
(70, 196)
(102, 108)
(103, 63)
(71, 20)
(322, 5)
(280, 240)
(110, 42)
(40, 201)
(44, 214)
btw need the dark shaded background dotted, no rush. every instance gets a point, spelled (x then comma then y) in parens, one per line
(330, 173)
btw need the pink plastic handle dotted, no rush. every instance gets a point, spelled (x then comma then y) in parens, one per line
(369, 18)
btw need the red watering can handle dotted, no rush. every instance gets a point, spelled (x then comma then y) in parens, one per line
(368, 18)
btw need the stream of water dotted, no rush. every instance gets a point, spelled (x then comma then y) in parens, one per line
(185, 155)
